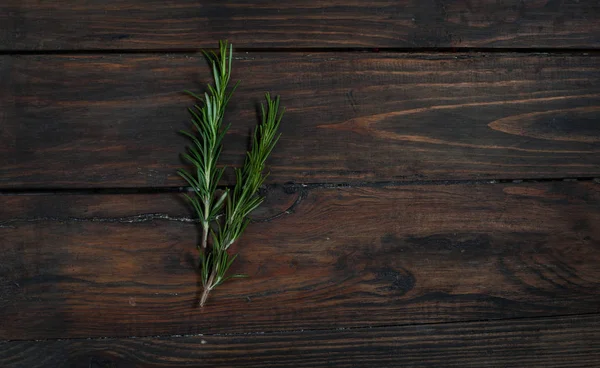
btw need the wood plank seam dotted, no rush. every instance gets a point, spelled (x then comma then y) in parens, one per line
(310, 330)
(361, 50)
(288, 186)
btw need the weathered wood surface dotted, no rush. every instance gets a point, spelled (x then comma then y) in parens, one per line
(326, 258)
(112, 120)
(155, 24)
(544, 342)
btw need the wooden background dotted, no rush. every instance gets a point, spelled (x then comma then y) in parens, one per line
(433, 200)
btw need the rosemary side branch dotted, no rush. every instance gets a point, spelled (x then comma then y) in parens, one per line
(242, 200)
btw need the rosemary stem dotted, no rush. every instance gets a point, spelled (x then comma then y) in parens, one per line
(207, 287)
(204, 235)
(205, 223)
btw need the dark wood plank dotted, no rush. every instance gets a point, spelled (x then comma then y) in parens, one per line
(112, 120)
(110, 265)
(154, 24)
(545, 343)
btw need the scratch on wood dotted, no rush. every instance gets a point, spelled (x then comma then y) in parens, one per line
(303, 194)
(127, 219)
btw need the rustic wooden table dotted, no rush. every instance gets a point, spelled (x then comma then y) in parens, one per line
(433, 201)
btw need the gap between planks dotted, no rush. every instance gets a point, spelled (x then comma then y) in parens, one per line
(310, 330)
(400, 50)
(288, 187)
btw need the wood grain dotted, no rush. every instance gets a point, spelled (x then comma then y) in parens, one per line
(545, 343)
(154, 24)
(109, 265)
(112, 120)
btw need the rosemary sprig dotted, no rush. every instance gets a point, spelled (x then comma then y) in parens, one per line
(226, 226)
(206, 149)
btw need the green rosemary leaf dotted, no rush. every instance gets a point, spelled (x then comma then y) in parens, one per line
(235, 86)
(217, 206)
(193, 183)
(194, 203)
(234, 276)
(192, 94)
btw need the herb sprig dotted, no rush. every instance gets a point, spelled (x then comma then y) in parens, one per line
(224, 214)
